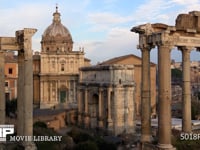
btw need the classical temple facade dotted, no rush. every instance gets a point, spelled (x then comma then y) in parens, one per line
(59, 67)
(185, 36)
(106, 98)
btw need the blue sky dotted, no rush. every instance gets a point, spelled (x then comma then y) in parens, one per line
(102, 27)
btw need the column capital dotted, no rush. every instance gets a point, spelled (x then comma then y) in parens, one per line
(166, 45)
(25, 42)
(109, 88)
(165, 40)
(186, 48)
(143, 43)
(145, 47)
(100, 89)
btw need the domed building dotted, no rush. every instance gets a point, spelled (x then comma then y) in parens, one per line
(59, 67)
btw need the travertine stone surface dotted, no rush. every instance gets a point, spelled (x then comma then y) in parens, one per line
(186, 92)
(109, 101)
(23, 44)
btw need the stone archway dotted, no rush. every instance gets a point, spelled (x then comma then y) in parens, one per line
(94, 110)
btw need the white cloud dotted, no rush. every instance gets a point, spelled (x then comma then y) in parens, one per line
(106, 20)
(185, 2)
(152, 11)
(120, 41)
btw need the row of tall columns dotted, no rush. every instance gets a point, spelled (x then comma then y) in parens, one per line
(84, 101)
(2, 88)
(164, 94)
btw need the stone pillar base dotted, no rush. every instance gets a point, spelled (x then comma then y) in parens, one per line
(146, 138)
(79, 120)
(165, 147)
(110, 126)
(100, 123)
(87, 122)
(29, 146)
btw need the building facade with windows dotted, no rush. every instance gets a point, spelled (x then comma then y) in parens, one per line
(11, 75)
(59, 67)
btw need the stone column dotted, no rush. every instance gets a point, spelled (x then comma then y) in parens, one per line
(86, 119)
(74, 91)
(2, 88)
(164, 98)
(56, 92)
(100, 119)
(28, 82)
(186, 90)
(110, 122)
(69, 92)
(79, 107)
(145, 96)
(25, 101)
(50, 93)
(20, 94)
(126, 109)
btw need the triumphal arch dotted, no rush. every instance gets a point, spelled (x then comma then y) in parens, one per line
(185, 36)
(23, 45)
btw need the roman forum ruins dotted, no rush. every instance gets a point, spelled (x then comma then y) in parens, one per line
(185, 35)
(23, 44)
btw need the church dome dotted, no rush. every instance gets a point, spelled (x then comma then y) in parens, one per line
(56, 36)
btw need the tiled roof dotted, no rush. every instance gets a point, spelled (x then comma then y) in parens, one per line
(117, 59)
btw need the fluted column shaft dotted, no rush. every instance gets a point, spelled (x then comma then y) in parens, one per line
(145, 97)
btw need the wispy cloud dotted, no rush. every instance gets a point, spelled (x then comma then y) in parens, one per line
(119, 41)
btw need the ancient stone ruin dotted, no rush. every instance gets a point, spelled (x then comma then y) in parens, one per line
(23, 45)
(185, 35)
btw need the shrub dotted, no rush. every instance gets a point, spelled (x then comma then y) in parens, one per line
(87, 145)
(79, 136)
(39, 124)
